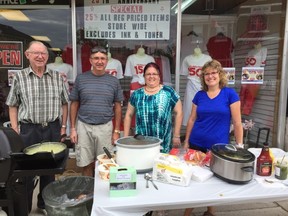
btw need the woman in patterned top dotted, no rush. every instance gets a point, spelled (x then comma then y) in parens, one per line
(154, 105)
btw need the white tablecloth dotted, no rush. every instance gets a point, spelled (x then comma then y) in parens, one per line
(213, 192)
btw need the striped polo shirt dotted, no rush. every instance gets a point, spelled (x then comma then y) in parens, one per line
(96, 95)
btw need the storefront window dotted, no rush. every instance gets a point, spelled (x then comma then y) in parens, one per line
(23, 23)
(246, 37)
(134, 34)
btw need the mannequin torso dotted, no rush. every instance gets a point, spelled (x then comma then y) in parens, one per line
(258, 46)
(257, 56)
(58, 60)
(64, 69)
(197, 52)
(114, 67)
(140, 52)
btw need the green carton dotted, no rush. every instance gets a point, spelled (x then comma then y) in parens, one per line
(122, 181)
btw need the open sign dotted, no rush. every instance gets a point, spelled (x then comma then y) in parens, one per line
(11, 54)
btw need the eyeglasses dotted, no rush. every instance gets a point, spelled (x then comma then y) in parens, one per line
(98, 49)
(39, 53)
(99, 58)
(212, 73)
(153, 74)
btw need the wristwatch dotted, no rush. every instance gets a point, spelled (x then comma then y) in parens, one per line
(63, 126)
(117, 131)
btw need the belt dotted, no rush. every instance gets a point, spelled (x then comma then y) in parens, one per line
(97, 123)
(43, 124)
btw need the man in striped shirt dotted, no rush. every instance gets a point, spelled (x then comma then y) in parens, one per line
(38, 101)
(95, 100)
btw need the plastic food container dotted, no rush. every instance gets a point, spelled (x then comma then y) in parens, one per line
(104, 170)
(103, 158)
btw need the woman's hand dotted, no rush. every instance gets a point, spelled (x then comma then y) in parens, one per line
(240, 145)
(176, 141)
(186, 144)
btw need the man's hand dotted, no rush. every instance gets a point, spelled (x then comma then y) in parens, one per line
(73, 135)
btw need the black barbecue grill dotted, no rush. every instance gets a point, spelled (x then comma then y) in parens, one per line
(14, 164)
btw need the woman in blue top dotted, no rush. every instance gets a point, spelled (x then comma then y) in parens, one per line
(154, 105)
(212, 111)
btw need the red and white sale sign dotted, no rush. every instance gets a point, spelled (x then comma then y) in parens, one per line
(127, 21)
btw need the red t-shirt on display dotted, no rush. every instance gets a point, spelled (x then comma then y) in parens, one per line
(220, 48)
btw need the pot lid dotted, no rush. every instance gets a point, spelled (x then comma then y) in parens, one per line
(230, 152)
(138, 140)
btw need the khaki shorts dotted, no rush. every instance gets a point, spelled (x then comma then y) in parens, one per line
(91, 140)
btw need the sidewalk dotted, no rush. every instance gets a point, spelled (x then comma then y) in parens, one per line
(253, 209)
(279, 208)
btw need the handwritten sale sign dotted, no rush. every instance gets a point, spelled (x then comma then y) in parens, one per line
(112, 19)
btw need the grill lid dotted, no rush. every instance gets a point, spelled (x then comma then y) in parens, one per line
(10, 142)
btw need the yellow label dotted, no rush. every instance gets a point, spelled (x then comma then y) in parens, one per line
(169, 168)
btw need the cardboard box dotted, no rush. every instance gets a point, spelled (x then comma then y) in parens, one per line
(122, 182)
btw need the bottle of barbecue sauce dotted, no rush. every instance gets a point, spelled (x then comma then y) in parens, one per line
(264, 162)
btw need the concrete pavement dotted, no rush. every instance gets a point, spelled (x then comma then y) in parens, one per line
(279, 208)
(252, 209)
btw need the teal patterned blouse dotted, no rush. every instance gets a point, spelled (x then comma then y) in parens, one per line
(154, 114)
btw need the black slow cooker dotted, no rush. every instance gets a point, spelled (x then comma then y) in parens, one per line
(232, 164)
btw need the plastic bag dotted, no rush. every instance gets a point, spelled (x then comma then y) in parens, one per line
(69, 196)
(196, 157)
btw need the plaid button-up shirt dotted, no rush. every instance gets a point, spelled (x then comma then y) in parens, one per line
(39, 99)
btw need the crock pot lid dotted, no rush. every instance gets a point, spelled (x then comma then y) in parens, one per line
(229, 151)
(133, 141)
